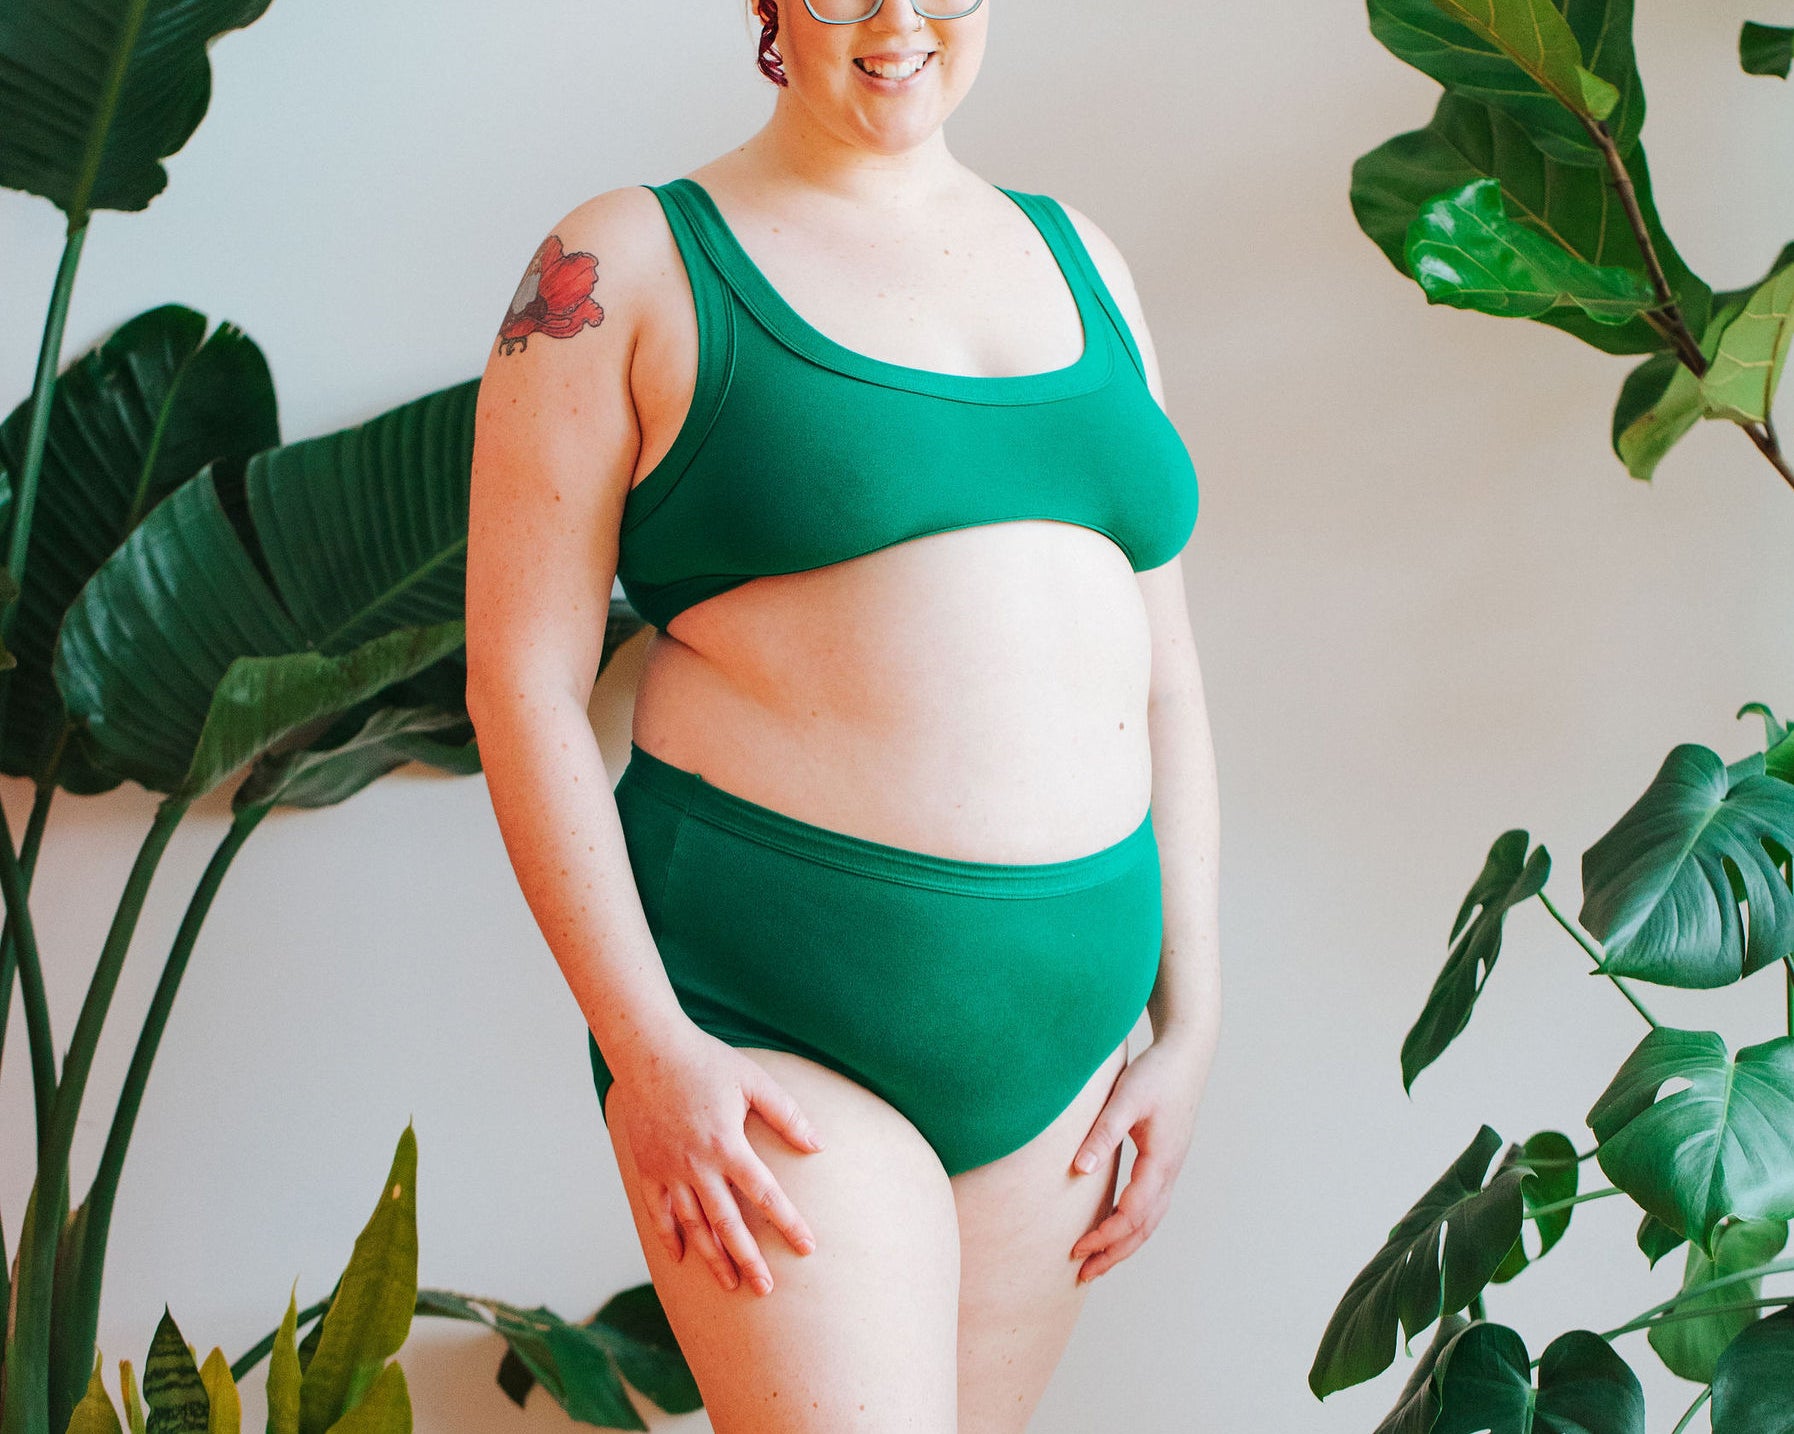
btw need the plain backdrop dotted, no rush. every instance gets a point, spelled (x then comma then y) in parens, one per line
(1429, 602)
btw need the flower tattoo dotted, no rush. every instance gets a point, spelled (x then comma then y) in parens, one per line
(554, 297)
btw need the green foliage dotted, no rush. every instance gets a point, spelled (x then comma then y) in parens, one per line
(1691, 1347)
(1751, 1383)
(1765, 49)
(1484, 1380)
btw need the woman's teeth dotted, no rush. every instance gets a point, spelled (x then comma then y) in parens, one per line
(887, 71)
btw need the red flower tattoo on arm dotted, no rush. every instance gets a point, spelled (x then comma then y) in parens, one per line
(554, 298)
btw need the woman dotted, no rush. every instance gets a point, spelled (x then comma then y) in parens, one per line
(920, 808)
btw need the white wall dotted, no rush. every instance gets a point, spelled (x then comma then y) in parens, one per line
(1430, 606)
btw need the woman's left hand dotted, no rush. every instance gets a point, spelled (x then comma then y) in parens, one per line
(1155, 1101)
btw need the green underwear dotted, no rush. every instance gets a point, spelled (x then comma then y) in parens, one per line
(976, 997)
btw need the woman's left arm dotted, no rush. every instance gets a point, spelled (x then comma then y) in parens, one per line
(1156, 1097)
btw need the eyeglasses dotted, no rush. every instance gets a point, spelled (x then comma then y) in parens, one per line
(851, 12)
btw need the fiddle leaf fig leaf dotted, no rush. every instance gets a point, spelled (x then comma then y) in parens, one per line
(1508, 877)
(1765, 49)
(1658, 887)
(1464, 250)
(1552, 1172)
(1752, 1378)
(1416, 1278)
(1531, 60)
(1741, 383)
(1691, 1347)
(1584, 1387)
(1720, 1144)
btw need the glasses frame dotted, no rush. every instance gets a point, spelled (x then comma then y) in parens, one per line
(879, 4)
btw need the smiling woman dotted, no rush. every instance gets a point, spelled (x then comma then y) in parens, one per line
(919, 812)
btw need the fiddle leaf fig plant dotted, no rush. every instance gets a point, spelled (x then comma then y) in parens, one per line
(1528, 196)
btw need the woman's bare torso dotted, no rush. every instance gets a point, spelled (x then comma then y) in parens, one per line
(979, 693)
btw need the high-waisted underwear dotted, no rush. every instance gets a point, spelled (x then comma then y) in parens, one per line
(976, 997)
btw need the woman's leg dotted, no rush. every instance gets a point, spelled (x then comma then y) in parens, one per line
(858, 1335)
(1019, 1297)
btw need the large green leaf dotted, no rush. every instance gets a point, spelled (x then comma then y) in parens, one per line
(1747, 367)
(94, 94)
(1485, 1386)
(326, 546)
(1464, 250)
(130, 420)
(1658, 888)
(1765, 49)
(1753, 1387)
(1571, 205)
(1691, 1347)
(1661, 399)
(1418, 1405)
(1552, 1173)
(1655, 1239)
(1413, 1279)
(1721, 1145)
(1508, 877)
(371, 1313)
(1540, 63)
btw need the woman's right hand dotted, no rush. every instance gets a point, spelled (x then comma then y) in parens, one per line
(688, 1134)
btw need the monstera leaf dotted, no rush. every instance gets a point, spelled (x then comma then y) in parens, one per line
(1658, 889)
(1508, 877)
(1552, 1172)
(1753, 1377)
(1418, 1405)
(1485, 1386)
(1464, 250)
(97, 93)
(1416, 1278)
(1691, 1347)
(329, 570)
(1542, 65)
(1571, 205)
(130, 421)
(1721, 1145)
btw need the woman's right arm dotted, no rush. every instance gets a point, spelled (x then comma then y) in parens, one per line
(556, 441)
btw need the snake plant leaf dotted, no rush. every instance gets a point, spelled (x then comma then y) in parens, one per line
(127, 1382)
(1552, 1172)
(1746, 369)
(1655, 1239)
(96, 94)
(284, 1372)
(384, 1409)
(95, 1413)
(1418, 1405)
(1542, 63)
(130, 421)
(1584, 1387)
(1412, 1281)
(371, 1313)
(1572, 205)
(1508, 877)
(227, 567)
(1661, 399)
(1753, 1377)
(172, 1388)
(1657, 887)
(221, 1391)
(1765, 49)
(1721, 1144)
(1464, 250)
(1691, 1347)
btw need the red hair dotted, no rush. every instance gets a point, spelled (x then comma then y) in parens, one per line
(772, 64)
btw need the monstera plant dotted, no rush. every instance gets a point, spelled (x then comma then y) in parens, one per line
(1528, 196)
(194, 603)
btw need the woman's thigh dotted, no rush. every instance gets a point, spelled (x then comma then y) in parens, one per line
(1019, 1298)
(859, 1334)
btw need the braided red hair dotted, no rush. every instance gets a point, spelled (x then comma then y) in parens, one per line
(772, 64)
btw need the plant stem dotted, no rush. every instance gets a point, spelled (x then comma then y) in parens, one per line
(1671, 1316)
(31, 985)
(1693, 1409)
(1774, 1267)
(82, 1317)
(28, 1353)
(1595, 956)
(34, 837)
(1574, 1200)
